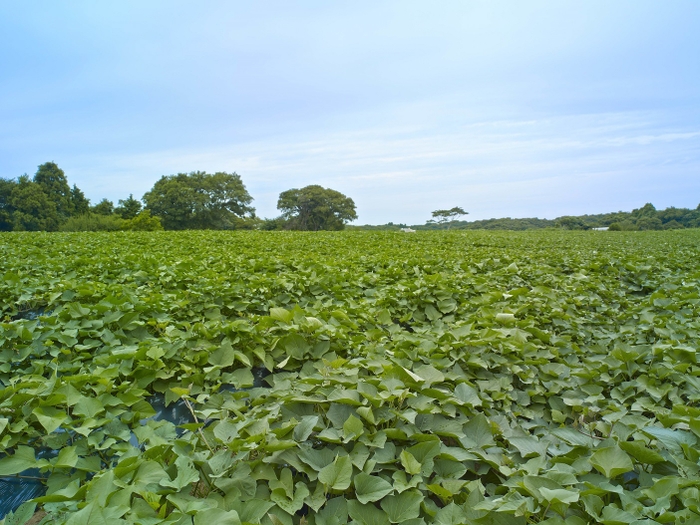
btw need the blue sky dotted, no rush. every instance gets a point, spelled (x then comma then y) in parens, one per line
(505, 108)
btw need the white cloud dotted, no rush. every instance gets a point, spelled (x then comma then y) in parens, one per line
(547, 167)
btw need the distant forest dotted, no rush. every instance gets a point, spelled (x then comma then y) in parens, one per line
(645, 218)
(220, 201)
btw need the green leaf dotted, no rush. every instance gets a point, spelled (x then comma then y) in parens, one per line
(402, 507)
(410, 464)
(316, 500)
(100, 488)
(671, 439)
(639, 451)
(253, 510)
(304, 428)
(216, 516)
(424, 453)
(338, 474)
(559, 495)
(295, 346)
(293, 502)
(401, 483)
(334, 512)
(21, 516)
(91, 514)
(613, 515)
(477, 432)
(223, 356)
(467, 395)
(451, 514)
(186, 474)
(49, 417)
(367, 514)
(611, 461)
(384, 317)
(88, 407)
(22, 459)
(371, 488)
(352, 428)
(506, 319)
(281, 314)
(67, 457)
(431, 313)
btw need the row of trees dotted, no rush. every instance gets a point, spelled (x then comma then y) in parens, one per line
(197, 200)
(645, 218)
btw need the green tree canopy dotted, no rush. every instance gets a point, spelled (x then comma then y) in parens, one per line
(53, 181)
(32, 209)
(315, 208)
(128, 208)
(104, 207)
(199, 201)
(448, 216)
(569, 222)
(6, 187)
(80, 203)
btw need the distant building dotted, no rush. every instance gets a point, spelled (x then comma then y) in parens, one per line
(603, 229)
(408, 230)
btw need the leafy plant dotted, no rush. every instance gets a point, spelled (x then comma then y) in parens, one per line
(455, 377)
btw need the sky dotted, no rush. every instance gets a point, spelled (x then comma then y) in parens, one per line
(540, 109)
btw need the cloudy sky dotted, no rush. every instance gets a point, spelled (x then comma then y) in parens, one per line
(505, 108)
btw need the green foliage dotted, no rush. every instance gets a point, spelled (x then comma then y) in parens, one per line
(104, 207)
(143, 222)
(94, 222)
(128, 208)
(571, 223)
(199, 201)
(314, 208)
(451, 378)
(79, 203)
(670, 218)
(21, 516)
(54, 183)
(6, 187)
(448, 216)
(32, 209)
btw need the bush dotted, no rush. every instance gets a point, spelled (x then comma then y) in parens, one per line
(92, 222)
(145, 222)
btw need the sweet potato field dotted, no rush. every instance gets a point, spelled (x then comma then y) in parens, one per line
(357, 377)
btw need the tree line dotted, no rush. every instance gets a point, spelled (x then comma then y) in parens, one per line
(645, 218)
(185, 201)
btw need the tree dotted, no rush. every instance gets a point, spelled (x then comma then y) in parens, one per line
(128, 208)
(80, 203)
(104, 207)
(447, 216)
(315, 208)
(53, 181)
(32, 209)
(649, 223)
(200, 201)
(569, 222)
(6, 187)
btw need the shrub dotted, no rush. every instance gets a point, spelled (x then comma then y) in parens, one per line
(144, 221)
(92, 222)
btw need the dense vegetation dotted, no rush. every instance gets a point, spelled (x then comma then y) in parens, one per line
(450, 378)
(220, 201)
(645, 218)
(186, 201)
